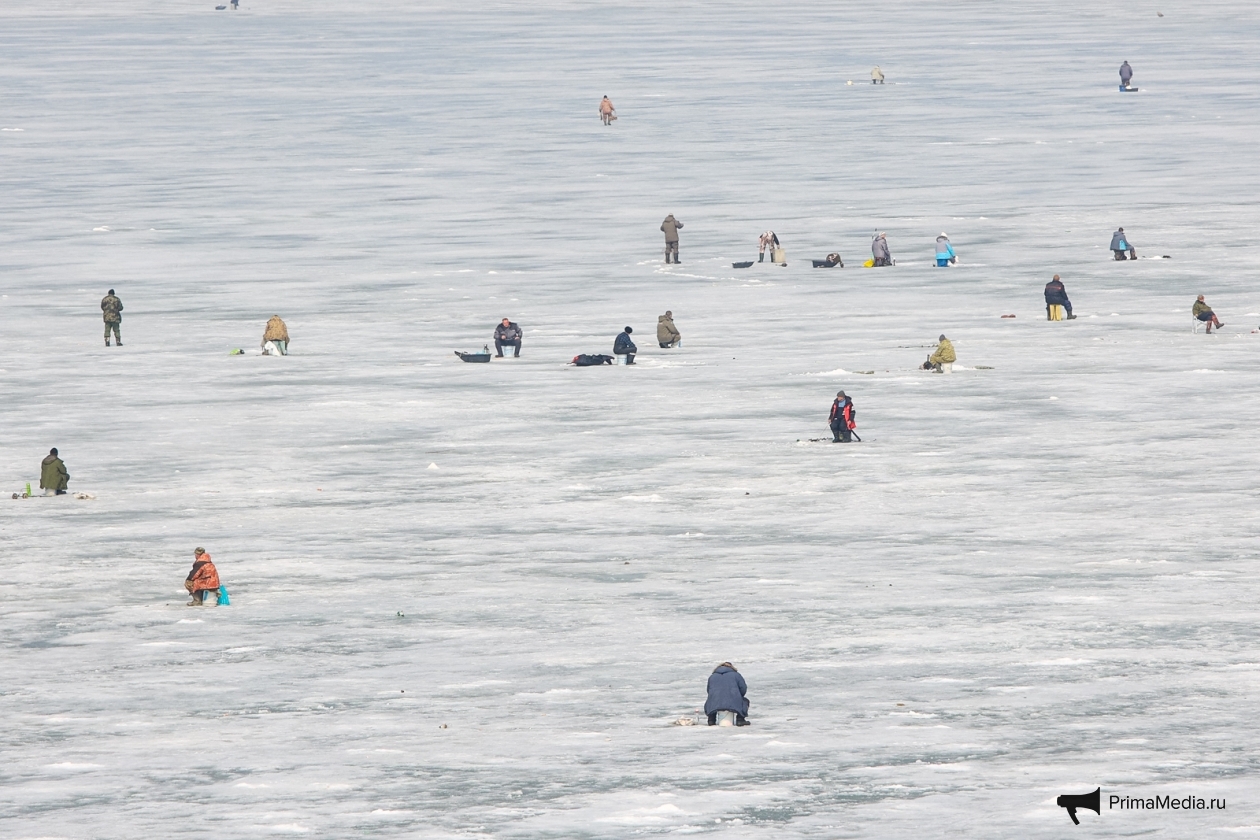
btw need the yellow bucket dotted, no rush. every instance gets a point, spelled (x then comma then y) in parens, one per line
(1056, 312)
(869, 263)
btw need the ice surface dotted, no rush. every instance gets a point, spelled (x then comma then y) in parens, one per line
(1026, 581)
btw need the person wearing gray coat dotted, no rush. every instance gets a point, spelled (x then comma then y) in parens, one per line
(1120, 244)
(879, 249)
(670, 227)
(726, 694)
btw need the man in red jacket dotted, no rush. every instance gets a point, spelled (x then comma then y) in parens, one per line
(842, 419)
(204, 578)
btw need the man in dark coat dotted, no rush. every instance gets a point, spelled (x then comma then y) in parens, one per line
(1120, 244)
(1126, 73)
(507, 334)
(111, 309)
(1056, 295)
(670, 227)
(53, 478)
(843, 419)
(624, 346)
(726, 694)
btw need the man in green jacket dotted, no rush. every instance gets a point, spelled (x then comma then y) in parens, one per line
(943, 358)
(53, 478)
(1204, 313)
(111, 308)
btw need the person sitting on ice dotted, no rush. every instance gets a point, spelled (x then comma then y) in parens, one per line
(726, 704)
(278, 334)
(942, 358)
(879, 249)
(877, 75)
(625, 346)
(204, 578)
(843, 419)
(944, 251)
(1056, 295)
(766, 240)
(1200, 310)
(1119, 244)
(53, 477)
(667, 335)
(508, 334)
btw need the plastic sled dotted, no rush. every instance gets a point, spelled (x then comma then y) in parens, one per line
(742, 264)
(1124, 89)
(473, 357)
(223, 596)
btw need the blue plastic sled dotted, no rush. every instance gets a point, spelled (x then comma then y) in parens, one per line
(223, 596)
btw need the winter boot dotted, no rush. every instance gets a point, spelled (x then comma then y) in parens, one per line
(107, 342)
(196, 599)
(1071, 317)
(761, 257)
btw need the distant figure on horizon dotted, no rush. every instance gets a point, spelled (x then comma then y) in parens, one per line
(1126, 74)
(111, 310)
(53, 478)
(877, 76)
(1120, 244)
(607, 112)
(671, 226)
(667, 335)
(1200, 310)
(276, 334)
(1056, 295)
(944, 251)
(726, 690)
(766, 240)
(879, 249)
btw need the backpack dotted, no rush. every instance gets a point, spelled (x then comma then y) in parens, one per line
(587, 359)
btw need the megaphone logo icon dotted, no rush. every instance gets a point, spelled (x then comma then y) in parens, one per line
(1080, 800)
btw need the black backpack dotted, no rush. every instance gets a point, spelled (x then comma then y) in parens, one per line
(587, 360)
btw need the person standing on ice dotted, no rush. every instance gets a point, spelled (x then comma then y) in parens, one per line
(625, 346)
(607, 112)
(671, 226)
(879, 249)
(726, 697)
(942, 358)
(111, 310)
(1120, 244)
(1126, 74)
(1056, 295)
(944, 251)
(278, 334)
(767, 240)
(843, 419)
(508, 334)
(1200, 310)
(53, 478)
(877, 76)
(667, 335)
(203, 579)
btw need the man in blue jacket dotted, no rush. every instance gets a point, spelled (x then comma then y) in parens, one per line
(1056, 295)
(1120, 244)
(623, 346)
(726, 694)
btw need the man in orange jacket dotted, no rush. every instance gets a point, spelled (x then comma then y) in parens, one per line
(843, 419)
(203, 578)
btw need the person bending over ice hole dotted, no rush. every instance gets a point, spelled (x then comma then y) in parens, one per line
(1056, 295)
(667, 334)
(942, 358)
(278, 335)
(53, 478)
(1119, 244)
(671, 226)
(624, 346)
(944, 251)
(507, 334)
(879, 249)
(726, 704)
(1200, 310)
(766, 240)
(204, 578)
(843, 419)
(111, 309)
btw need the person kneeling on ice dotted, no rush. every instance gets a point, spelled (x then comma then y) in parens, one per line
(203, 578)
(1119, 245)
(726, 697)
(667, 334)
(1056, 295)
(278, 334)
(944, 251)
(879, 249)
(53, 478)
(624, 346)
(843, 419)
(508, 334)
(1200, 310)
(942, 358)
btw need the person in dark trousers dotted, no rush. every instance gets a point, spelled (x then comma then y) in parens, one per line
(670, 227)
(1120, 244)
(1200, 310)
(624, 346)
(726, 694)
(53, 478)
(1056, 295)
(111, 310)
(879, 249)
(843, 419)
(507, 334)
(1126, 74)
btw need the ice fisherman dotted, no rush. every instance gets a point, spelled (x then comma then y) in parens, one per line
(879, 249)
(278, 334)
(877, 75)
(53, 478)
(111, 311)
(766, 240)
(1126, 73)
(667, 335)
(726, 697)
(203, 579)
(507, 334)
(624, 346)
(944, 251)
(1200, 310)
(843, 419)
(607, 112)
(942, 358)
(1120, 244)
(1056, 295)
(671, 226)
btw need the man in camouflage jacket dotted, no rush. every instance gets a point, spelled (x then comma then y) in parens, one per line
(111, 309)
